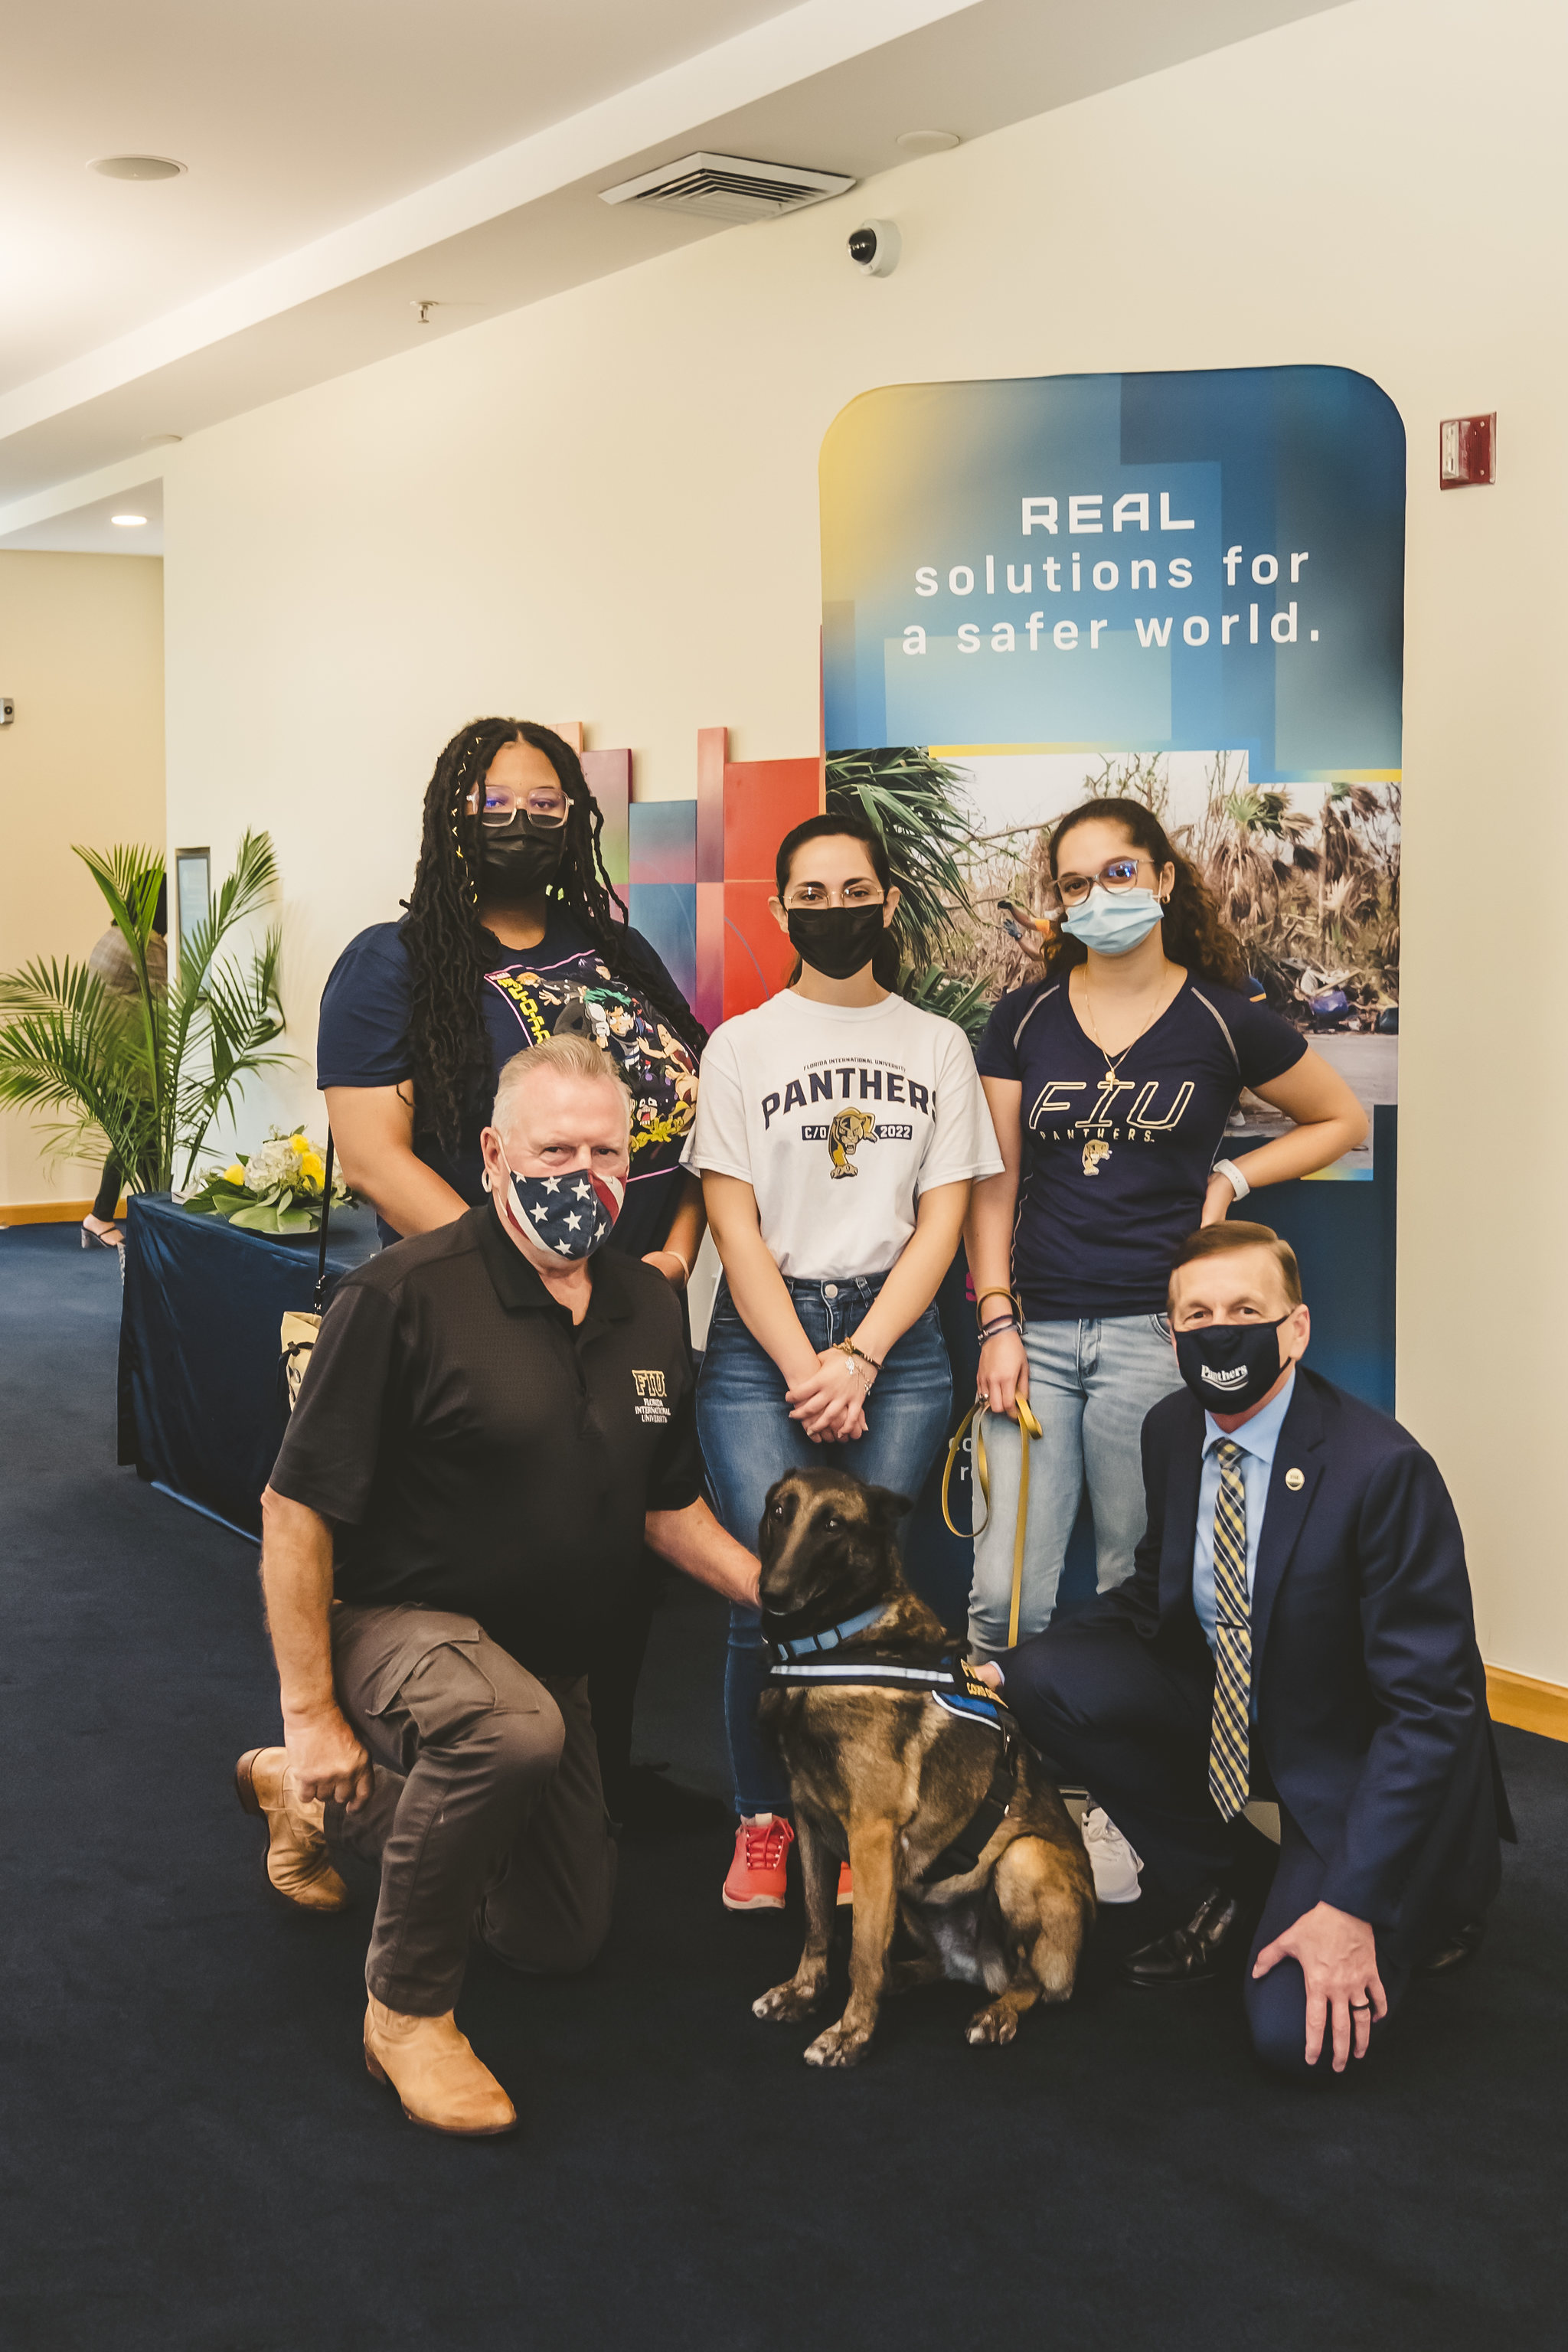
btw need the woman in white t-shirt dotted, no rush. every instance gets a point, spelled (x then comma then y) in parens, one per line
(838, 1131)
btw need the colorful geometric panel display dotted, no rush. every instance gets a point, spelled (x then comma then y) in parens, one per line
(666, 915)
(699, 873)
(609, 775)
(662, 891)
(763, 800)
(758, 957)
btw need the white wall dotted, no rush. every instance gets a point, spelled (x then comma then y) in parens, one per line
(81, 655)
(605, 506)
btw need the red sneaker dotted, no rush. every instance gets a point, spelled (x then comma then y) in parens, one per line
(757, 1875)
(845, 1884)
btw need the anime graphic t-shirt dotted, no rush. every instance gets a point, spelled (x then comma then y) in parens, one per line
(839, 1117)
(1117, 1161)
(561, 984)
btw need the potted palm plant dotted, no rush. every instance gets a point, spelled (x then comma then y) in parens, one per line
(146, 1073)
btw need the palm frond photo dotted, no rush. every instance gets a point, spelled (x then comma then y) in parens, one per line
(920, 807)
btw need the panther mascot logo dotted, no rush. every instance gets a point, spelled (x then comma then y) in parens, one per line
(849, 1129)
(1094, 1152)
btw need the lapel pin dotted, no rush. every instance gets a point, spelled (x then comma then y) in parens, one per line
(1295, 1480)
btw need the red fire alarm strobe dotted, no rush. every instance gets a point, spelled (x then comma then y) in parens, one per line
(1466, 451)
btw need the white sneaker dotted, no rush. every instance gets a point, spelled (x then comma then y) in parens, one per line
(1111, 1859)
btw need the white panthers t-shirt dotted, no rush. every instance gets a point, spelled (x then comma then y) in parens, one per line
(839, 1117)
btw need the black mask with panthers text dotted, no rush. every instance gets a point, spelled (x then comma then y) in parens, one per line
(836, 941)
(1230, 1367)
(515, 861)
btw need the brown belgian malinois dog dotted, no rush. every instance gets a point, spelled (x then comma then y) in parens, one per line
(948, 1822)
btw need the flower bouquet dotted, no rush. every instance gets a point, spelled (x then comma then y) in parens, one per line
(277, 1189)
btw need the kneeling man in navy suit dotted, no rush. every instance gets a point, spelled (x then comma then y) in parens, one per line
(1296, 1628)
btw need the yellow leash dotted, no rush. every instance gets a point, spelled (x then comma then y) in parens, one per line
(1030, 1427)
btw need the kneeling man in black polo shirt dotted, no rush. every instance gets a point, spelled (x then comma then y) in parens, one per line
(493, 1421)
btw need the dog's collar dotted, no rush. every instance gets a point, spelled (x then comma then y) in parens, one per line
(804, 1644)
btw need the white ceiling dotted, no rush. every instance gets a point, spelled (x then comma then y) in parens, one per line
(294, 119)
(346, 158)
(90, 529)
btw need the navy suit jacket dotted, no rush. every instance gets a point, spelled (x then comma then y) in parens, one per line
(1371, 1695)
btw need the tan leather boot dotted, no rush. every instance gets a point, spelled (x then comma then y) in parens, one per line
(432, 2069)
(296, 1861)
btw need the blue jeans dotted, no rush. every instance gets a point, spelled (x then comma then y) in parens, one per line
(1090, 1384)
(749, 1440)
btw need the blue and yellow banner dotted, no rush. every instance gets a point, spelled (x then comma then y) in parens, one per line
(1122, 563)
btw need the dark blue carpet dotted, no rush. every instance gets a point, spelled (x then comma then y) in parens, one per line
(194, 2157)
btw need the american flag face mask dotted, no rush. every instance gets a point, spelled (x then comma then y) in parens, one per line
(566, 1217)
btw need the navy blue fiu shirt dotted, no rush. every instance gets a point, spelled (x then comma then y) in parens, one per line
(529, 993)
(1116, 1163)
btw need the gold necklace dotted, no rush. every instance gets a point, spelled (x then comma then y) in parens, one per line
(1112, 1066)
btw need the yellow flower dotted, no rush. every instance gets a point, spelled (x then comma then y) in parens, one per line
(311, 1167)
(235, 1175)
(300, 1143)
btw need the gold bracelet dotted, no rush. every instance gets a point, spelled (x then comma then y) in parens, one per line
(997, 1291)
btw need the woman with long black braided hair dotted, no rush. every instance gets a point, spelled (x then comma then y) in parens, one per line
(513, 932)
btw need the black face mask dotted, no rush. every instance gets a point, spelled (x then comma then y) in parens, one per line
(516, 860)
(836, 941)
(1230, 1367)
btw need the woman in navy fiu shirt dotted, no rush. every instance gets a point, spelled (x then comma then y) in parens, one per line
(1111, 1080)
(513, 932)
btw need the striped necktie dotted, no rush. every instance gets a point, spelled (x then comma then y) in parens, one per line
(1229, 1761)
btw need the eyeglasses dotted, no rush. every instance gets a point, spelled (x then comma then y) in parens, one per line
(1072, 889)
(817, 894)
(542, 804)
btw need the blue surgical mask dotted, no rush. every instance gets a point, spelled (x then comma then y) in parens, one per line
(1114, 922)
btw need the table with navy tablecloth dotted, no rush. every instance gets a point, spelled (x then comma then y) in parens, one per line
(201, 1414)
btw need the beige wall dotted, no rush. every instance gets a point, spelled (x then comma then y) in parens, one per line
(81, 655)
(606, 507)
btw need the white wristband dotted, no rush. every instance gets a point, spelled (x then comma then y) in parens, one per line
(1233, 1177)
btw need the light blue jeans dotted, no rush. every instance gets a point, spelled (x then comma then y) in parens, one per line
(749, 1440)
(1090, 1384)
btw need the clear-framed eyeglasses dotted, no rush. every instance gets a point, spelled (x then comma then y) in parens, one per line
(856, 892)
(544, 805)
(1070, 890)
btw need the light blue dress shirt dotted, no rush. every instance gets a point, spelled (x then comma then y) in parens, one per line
(1257, 1439)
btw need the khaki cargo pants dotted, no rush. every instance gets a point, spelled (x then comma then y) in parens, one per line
(487, 1817)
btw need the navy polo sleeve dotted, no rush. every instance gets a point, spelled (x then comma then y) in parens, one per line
(363, 1036)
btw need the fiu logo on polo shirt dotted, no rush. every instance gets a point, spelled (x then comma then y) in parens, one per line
(652, 1404)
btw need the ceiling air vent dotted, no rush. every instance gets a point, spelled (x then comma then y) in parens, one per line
(729, 188)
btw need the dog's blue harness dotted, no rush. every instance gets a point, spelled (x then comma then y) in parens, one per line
(831, 1635)
(805, 1662)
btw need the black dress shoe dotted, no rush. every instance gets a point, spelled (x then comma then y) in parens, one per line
(1460, 1944)
(1218, 1931)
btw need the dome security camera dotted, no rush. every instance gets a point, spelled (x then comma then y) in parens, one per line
(875, 247)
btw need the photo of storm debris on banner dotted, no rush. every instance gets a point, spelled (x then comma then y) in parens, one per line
(1306, 875)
